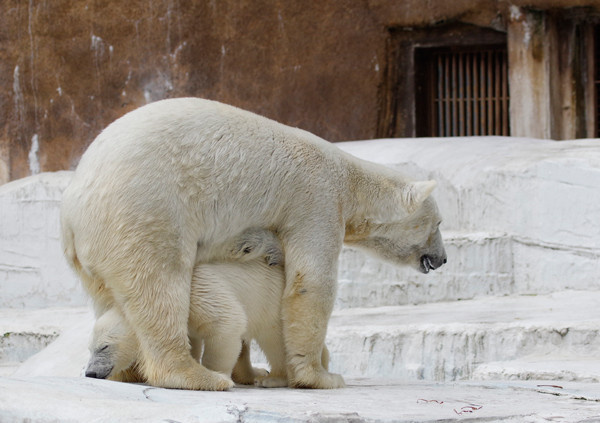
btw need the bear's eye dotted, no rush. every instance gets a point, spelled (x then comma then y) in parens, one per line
(102, 348)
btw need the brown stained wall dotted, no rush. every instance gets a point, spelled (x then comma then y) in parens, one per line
(69, 68)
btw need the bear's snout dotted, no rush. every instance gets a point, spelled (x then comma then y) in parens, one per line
(92, 374)
(98, 374)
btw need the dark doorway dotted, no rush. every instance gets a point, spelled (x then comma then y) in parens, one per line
(461, 91)
(448, 80)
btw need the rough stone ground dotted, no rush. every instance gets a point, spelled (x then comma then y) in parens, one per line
(364, 400)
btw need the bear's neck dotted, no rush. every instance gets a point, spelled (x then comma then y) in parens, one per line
(373, 189)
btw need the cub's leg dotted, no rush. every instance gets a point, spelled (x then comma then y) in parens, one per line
(217, 317)
(325, 357)
(243, 372)
(196, 343)
(271, 343)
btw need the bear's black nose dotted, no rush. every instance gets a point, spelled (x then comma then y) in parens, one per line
(91, 373)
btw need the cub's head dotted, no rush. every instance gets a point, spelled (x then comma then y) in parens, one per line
(114, 347)
(403, 229)
(257, 243)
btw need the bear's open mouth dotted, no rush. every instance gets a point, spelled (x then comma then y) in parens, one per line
(426, 264)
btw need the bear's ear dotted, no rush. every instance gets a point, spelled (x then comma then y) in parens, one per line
(413, 194)
(403, 201)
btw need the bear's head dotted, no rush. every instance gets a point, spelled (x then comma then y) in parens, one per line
(114, 346)
(405, 230)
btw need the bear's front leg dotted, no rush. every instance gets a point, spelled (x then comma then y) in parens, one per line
(311, 286)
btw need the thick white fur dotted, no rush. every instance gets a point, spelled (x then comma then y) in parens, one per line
(163, 187)
(245, 304)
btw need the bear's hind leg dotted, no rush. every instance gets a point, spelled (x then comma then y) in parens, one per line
(156, 304)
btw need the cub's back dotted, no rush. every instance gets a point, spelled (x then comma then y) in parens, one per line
(255, 285)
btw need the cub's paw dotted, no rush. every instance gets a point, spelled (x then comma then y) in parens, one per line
(271, 382)
(244, 377)
(130, 375)
(260, 372)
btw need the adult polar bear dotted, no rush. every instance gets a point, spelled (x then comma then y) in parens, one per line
(165, 186)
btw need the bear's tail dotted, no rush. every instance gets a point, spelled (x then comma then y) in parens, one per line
(68, 245)
(95, 287)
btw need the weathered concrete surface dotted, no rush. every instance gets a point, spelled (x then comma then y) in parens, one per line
(366, 400)
(69, 68)
(492, 13)
(447, 341)
(551, 366)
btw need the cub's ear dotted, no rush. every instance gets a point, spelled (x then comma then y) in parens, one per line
(414, 193)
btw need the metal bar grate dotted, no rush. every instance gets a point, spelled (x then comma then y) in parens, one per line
(469, 92)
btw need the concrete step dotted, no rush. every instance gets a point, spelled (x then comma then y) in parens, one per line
(524, 187)
(448, 341)
(474, 339)
(24, 333)
(570, 368)
(479, 264)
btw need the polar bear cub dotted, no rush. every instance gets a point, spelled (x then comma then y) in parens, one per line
(244, 303)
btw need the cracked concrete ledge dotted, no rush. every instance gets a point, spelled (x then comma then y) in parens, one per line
(50, 399)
